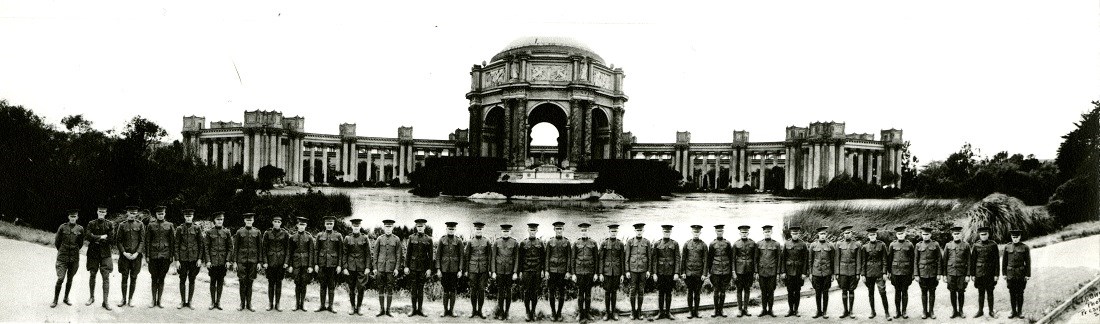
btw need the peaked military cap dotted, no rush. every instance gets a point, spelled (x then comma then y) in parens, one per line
(160, 208)
(101, 207)
(639, 225)
(719, 226)
(356, 221)
(219, 215)
(330, 218)
(696, 227)
(984, 229)
(479, 224)
(926, 229)
(451, 224)
(532, 225)
(795, 228)
(559, 224)
(276, 218)
(743, 228)
(822, 229)
(872, 230)
(505, 226)
(303, 220)
(666, 227)
(188, 211)
(388, 222)
(248, 215)
(419, 221)
(845, 228)
(131, 207)
(766, 227)
(957, 229)
(74, 211)
(899, 229)
(584, 225)
(1015, 232)
(613, 226)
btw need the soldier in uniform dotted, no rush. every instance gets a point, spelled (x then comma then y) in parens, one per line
(744, 266)
(1017, 270)
(984, 267)
(217, 245)
(720, 268)
(612, 265)
(448, 261)
(188, 239)
(418, 266)
(666, 270)
(583, 264)
(768, 263)
(356, 261)
(848, 262)
(928, 271)
(329, 249)
(275, 261)
(505, 261)
(558, 253)
(476, 260)
(693, 267)
(639, 253)
(130, 237)
(387, 255)
(956, 264)
(532, 255)
(99, 235)
(300, 252)
(822, 270)
(159, 245)
(68, 241)
(794, 268)
(873, 266)
(901, 256)
(247, 252)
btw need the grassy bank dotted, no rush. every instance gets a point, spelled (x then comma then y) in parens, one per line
(26, 234)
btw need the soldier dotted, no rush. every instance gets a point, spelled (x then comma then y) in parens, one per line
(217, 246)
(275, 261)
(387, 255)
(956, 264)
(666, 270)
(448, 261)
(822, 270)
(693, 267)
(558, 253)
(720, 268)
(873, 263)
(68, 241)
(99, 235)
(928, 271)
(848, 262)
(744, 265)
(188, 252)
(130, 237)
(476, 262)
(984, 267)
(532, 255)
(1017, 270)
(901, 256)
(329, 249)
(794, 269)
(612, 264)
(639, 252)
(300, 253)
(584, 263)
(505, 261)
(356, 261)
(418, 266)
(768, 262)
(247, 252)
(159, 244)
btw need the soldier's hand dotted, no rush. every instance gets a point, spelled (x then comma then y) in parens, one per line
(515, 276)
(995, 279)
(309, 270)
(676, 277)
(654, 276)
(627, 275)
(315, 269)
(345, 272)
(966, 278)
(1027, 278)
(289, 270)
(544, 273)
(573, 277)
(460, 274)
(755, 276)
(374, 271)
(338, 269)
(493, 275)
(406, 270)
(199, 263)
(228, 265)
(208, 265)
(427, 273)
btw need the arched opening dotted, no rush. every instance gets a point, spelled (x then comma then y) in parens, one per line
(601, 134)
(550, 120)
(492, 133)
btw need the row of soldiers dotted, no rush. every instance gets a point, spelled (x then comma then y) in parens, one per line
(585, 261)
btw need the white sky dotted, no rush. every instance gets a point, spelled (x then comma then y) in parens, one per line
(1003, 75)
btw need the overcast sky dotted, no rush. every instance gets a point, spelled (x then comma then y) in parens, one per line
(1002, 75)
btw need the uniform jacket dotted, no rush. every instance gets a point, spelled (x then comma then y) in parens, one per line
(188, 239)
(956, 259)
(100, 247)
(448, 255)
(247, 245)
(478, 257)
(985, 259)
(822, 259)
(159, 240)
(874, 259)
(418, 252)
(744, 256)
(639, 253)
(68, 241)
(768, 257)
(928, 259)
(532, 255)
(356, 255)
(848, 257)
(1017, 261)
(130, 237)
(612, 257)
(505, 257)
(329, 249)
(217, 246)
(796, 258)
(693, 259)
(719, 257)
(300, 250)
(666, 257)
(902, 255)
(586, 257)
(387, 253)
(558, 253)
(275, 247)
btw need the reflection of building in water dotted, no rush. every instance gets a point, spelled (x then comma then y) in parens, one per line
(561, 82)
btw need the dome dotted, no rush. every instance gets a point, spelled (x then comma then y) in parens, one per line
(547, 44)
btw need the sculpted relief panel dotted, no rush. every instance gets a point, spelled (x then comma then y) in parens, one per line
(550, 72)
(602, 80)
(492, 78)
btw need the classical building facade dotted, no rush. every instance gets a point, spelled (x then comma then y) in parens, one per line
(558, 81)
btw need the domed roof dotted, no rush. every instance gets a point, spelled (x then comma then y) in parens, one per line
(563, 45)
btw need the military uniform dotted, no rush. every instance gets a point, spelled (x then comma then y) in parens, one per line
(247, 252)
(189, 254)
(720, 267)
(356, 261)
(99, 255)
(822, 269)
(873, 267)
(329, 251)
(985, 267)
(693, 262)
(638, 253)
(584, 262)
(505, 261)
(901, 267)
(612, 264)
(68, 241)
(928, 269)
(768, 263)
(300, 254)
(275, 243)
(159, 245)
(956, 265)
(217, 245)
(448, 260)
(847, 272)
(666, 265)
(418, 259)
(532, 257)
(558, 253)
(795, 266)
(476, 262)
(1017, 269)
(130, 237)
(744, 265)
(388, 256)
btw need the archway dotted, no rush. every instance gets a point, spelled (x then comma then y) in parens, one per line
(554, 116)
(492, 138)
(601, 134)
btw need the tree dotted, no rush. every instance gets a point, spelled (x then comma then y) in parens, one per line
(1078, 161)
(268, 176)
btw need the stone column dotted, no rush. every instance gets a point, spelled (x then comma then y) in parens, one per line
(676, 160)
(246, 153)
(399, 160)
(878, 167)
(257, 149)
(763, 169)
(897, 166)
(368, 170)
(354, 161)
